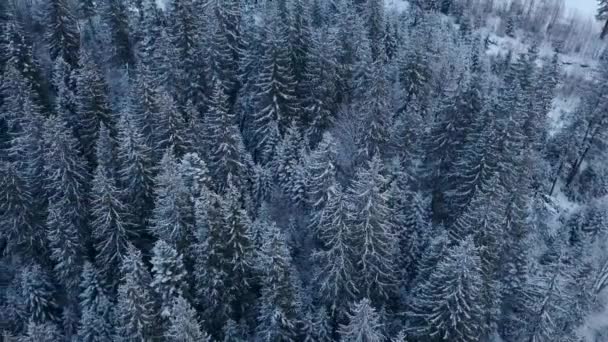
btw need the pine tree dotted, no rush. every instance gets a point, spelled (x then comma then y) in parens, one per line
(18, 218)
(116, 20)
(92, 107)
(226, 47)
(322, 172)
(371, 234)
(184, 325)
(334, 267)
(475, 169)
(232, 332)
(279, 310)
(168, 275)
(135, 174)
(299, 38)
(364, 324)
(374, 15)
(276, 97)
(62, 31)
(184, 35)
(66, 182)
(96, 322)
(287, 160)
(169, 128)
(40, 296)
(319, 86)
(110, 226)
(227, 268)
(448, 304)
(41, 332)
(170, 218)
(225, 142)
(376, 121)
(135, 309)
(19, 53)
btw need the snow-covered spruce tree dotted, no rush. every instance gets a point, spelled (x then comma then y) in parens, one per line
(170, 127)
(279, 307)
(448, 305)
(136, 318)
(374, 16)
(148, 29)
(40, 297)
(287, 160)
(376, 119)
(183, 323)
(19, 222)
(451, 129)
(169, 275)
(135, 173)
(115, 19)
(145, 108)
(334, 267)
(41, 332)
(61, 31)
(188, 80)
(66, 184)
(371, 234)
(475, 168)
(232, 332)
(483, 222)
(18, 51)
(363, 324)
(92, 106)
(415, 65)
(171, 220)
(109, 224)
(227, 268)
(97, 320)
(195, 175)
(275, 106)
(411, 219)
(66, 105)
(226, 47)
(319, 86)
(321, 170)
(226, 147)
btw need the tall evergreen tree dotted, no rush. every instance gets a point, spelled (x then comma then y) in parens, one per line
(364, 324)
(92, 107)
(448, 305)
(170, 218)
(168, 275)
(96, 322)
(62, 31)
(335, 268)
(276, 100)
(322, 173)
(135, 309)
(109, 224)
(184, 325)
(372, 235)
(66, 184)
(40, 296)
(41, 332)
(279, 309)
(135, 173)
(225, 142)
(115, 18)
(184, 35)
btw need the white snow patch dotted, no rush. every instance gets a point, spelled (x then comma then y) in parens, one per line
(398, 6)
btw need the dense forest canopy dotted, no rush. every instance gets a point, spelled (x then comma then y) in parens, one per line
(302, 170)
